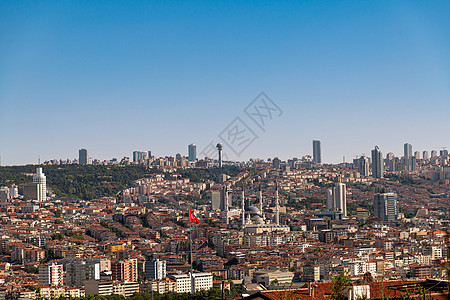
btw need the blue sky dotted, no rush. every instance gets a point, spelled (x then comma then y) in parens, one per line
(118, 76)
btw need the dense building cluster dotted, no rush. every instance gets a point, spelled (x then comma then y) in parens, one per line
(275, 223)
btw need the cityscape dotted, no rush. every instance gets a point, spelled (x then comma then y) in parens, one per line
(236, 229)
(233, 150)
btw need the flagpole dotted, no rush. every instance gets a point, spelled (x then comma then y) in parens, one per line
(192, 260)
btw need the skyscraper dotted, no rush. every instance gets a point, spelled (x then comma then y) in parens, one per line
(340, 198)
(192, 152)
(83, 157)
(407, 149)
(363, 165)
(137, 156)
(412, 164)
(417, 155)
(317, 155)
(425, 155)
(337, 199)
(385, 206)
(377, 163)
(276, 163)
(216, 196)
(41, 184)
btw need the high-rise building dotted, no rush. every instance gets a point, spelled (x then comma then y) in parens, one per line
(137, 156)
(83, 157)
(385, 206)
(337, 199)
(125, 270)
(317, 154)
(340, 198)
(78, 271)
(425, 155)
(433, 153)
(4, 194)
(412, 164)
(155, 270)
(51, 274)
(330, 200)
(363, 165)
(215, 199)
(276, 163)
(192, 152)
(443, 152)
(224, 198)
(41, 184)
(394, 164)
(407, 149)
(377, 163)
(390, 156)
(417, 155)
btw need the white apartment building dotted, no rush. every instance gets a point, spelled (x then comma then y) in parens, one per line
(357, 267)
(201, 281)
(51, 274)
(435, 252)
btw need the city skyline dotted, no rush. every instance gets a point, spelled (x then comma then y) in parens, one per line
(161, 76)
(88, 158)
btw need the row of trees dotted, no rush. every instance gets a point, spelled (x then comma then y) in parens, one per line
(96, 181)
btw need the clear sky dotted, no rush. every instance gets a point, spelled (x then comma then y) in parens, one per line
(118, 76)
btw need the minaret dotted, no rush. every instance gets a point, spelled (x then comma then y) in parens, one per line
(277, 205)
(260, 201)
(226, 204)
(243, 207)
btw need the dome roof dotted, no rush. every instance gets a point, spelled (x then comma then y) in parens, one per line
(257, 219)
(252, 210)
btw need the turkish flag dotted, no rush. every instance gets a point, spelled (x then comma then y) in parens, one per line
(193, 218)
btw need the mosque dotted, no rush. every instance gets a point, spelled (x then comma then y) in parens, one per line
(253, 219)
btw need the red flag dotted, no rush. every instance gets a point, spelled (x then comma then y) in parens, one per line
(193, 218)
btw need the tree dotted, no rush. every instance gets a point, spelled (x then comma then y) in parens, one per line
(57, 236)
(339, 285)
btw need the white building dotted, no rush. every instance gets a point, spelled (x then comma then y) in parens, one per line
(40, 180)
(200, 281)
(357, 267)
(4, 194)
(265, 277)
(435, 252)
(337, 199)
(51, 274)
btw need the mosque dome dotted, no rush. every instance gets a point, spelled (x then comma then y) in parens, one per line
(253, 210)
